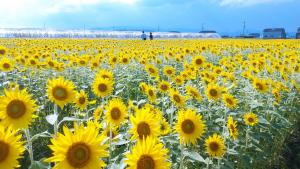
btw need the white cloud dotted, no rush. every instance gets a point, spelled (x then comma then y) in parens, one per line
(248, 2)
(23, 12)
(75, 5)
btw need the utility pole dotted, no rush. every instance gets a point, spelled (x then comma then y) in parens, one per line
(244, 27)
(84, 30)
(202, 27)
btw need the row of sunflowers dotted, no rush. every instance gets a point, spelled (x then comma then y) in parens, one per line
(106, 103)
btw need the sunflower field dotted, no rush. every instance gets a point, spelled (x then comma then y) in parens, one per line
(162, 104)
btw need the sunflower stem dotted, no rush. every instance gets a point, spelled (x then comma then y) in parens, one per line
(55, 127)
(247, 135)
(207, 164)
(29, 144)
(181, 156)
(110, 141)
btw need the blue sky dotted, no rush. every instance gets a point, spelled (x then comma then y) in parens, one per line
(183, 15)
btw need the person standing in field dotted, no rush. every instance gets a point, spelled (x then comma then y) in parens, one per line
(143, 36)
(151, 36)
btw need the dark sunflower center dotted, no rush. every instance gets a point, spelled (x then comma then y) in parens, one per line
(6, 65)
(214, 146)
(16, 109)
(145, 162)
(259, 86)
(51, 64)
(105, 76)
(2, 51)
(194, 93)
(4, 151)
(176, 98)
(162, 127)
(60, 93)
(151, 70)
(178, 80)
(112, 134)
(125, 60)
(115, 113)
(164, 87)
(213, 92)
(32, 62)
(78, 155)
(143, 130)
(102, 87)
(229, 101)
(232, 128)
(81, 100)
(82, 62)
(188, 126)
(151, 93)
(250, 119)
(169, 72)
(199, 61)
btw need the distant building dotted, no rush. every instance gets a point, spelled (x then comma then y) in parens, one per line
(209, 34)
(249, 36)
(255, 35)
(226, 36)
(298, 34)
(274, 33)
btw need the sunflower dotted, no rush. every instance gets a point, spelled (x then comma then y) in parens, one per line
(81, 100)
(125, 59)
(116, 112)
(152, 70)
(164, 127)
(177, 98)
(164, 86)
(105, 74)
(148, 108)
(213, 91)
(193, 92)
(102, 87)
(61, 91)
(276, 94)
(114, 132)
(148, 154)
(51, 63)
(3, 50)
(151, 93)
(98, 113)
(179, 80)
(190, 126)
(143, 86)
(229, 101)
(215, 145)
(11, 148)
(232, 127)
(17, 108)
(6, 65)
(260, 85)
(95, 64)
(198, 61)
(144, 125)
(169, 71)
(82, 148)
(113, 60)
(250, 119)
